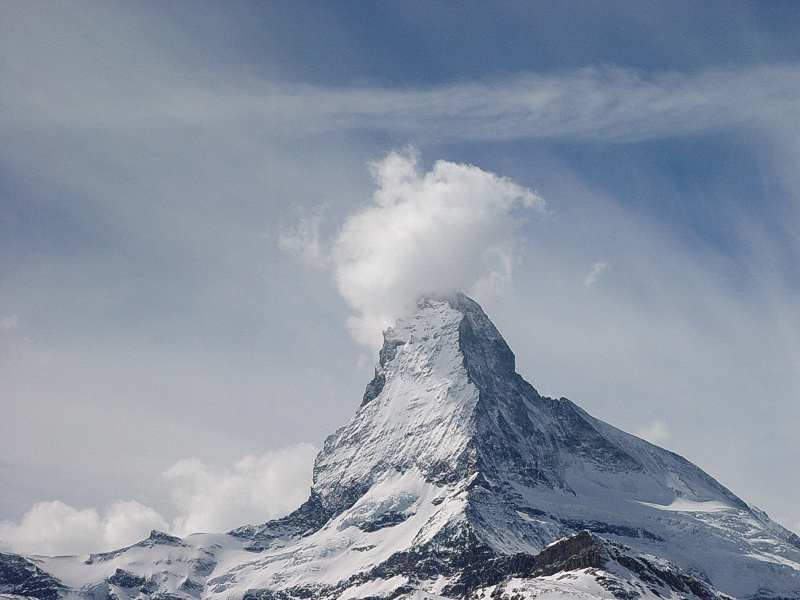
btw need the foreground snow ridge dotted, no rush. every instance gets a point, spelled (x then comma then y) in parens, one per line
(456, 479)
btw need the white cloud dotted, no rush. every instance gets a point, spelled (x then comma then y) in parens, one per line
(597, 270)
(255, 490)
(451, 229)
(56, 528)
(656, 432)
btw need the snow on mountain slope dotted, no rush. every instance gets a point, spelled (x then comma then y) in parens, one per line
(455, 478)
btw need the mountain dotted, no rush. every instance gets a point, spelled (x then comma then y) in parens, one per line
(457, 479)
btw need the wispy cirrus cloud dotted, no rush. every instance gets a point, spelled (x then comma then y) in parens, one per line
(592, 103)
(597, 270)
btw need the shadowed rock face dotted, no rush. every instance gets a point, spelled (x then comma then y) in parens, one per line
(21, 577)
(581, 551)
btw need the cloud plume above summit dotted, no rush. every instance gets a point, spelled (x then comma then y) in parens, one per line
(449, 229)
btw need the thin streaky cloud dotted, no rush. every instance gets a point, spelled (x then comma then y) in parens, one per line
(611, 104)
(597, 270)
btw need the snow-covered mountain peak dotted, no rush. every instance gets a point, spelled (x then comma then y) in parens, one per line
(446, 401)
(417, 412)
(513, 471)
(456, 479)
(442, 324)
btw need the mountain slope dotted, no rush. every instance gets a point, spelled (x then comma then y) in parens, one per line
(455, 479)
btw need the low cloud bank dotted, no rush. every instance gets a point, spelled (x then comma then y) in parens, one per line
(56, 528)
(255, 490)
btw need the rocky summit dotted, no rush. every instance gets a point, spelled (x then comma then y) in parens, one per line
(457, 479)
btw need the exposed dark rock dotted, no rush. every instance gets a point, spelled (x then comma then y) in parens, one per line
(104, 556)
(506, 447)
(618, 589)
(191, 587)
(794, 540)
(672, 578)
(305, 520)
(388, 519)
(204, 567)
(580, 551)
(294, 593)
(531, 512)
(620, 530)
(585, 550)
(126, 579)
(491, 572)
(159, 538)
(20, 576)
(386, 354)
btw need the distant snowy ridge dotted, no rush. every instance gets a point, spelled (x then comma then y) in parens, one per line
(456, 479)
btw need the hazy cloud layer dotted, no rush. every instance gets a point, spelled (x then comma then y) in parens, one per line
(255, 490)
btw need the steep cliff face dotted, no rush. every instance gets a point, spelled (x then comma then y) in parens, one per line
(456, 478)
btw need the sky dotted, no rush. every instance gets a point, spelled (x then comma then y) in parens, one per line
(209, 211)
